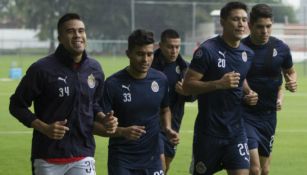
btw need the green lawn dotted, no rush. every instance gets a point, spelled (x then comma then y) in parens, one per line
(289, 153)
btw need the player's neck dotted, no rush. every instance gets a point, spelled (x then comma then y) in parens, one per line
(231, 42)
(77, 58)
(257, 42)
(136, 74)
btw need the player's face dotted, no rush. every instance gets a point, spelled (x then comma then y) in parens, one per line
(261, 30)
(73, 37)
(141, 58)
(234, 26)
(170, 49)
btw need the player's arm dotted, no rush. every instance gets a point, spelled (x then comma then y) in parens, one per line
(109, 121)
(250, 96)
(291, 79)
(194, 85)
(179, 90)
(279, 100)
(133, 132)
(105, 124)
(166, 119)
(54, 130)
(29, 88)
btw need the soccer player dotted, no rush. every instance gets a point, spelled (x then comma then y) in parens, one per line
(138, 95)
(216, 74)
(65, 88)
(168, 60)
(272, 58)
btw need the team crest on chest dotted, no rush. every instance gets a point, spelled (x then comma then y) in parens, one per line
(91, 81)
(244, 56)
(154, 86)
(274, 52)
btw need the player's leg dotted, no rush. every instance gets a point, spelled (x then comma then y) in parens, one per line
(163, 162)
(255, 167)
(41, 166)
(238, 172)
(265, 153)
(260, 160)
(169, 153)
(161, 147)
(168, 161)
(85, 166)
(265, 165)
(266, 145)
(253, 144)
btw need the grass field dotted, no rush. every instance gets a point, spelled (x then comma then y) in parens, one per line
(289, 153)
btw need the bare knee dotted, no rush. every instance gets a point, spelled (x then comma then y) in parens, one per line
(265, 165)
(265, 170)
(254, 170)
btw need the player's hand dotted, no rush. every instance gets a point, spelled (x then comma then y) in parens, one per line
(110, 122)
(278, 104)
(133, 132)
(179, 89)
(56, 130)
(290, 83)
(229, 80)
(251, 98)
(172, 136)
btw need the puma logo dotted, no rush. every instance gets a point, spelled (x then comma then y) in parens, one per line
(126, 87)
(62, 79)
(223, 54)
(246, 159)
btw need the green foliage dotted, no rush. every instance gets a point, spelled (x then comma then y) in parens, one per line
(282, 12)
(8, 17)
(107, 19)
(112, 20)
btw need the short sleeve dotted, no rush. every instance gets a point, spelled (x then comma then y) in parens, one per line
(201, 60)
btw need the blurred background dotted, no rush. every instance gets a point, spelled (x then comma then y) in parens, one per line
(28, 32)
(29, 26)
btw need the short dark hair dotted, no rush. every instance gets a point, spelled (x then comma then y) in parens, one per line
(169, 33)
(260, 11)
(225, 11)
(67, 17)
(140, 37)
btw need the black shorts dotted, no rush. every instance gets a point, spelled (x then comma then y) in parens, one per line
(166, 147)
(260, 132)
(212, 154)
(119, 170)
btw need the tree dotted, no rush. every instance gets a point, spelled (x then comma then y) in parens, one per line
(111, 19)
(43, 15)
(8, 17)
(106, 19)
(101, 16)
